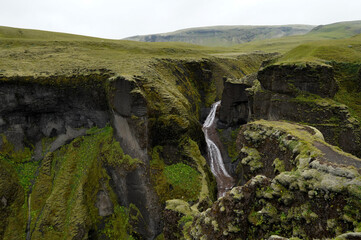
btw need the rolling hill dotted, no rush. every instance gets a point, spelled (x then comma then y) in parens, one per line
(225, 35)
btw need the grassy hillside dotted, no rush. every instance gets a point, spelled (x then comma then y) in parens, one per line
(16, 33)
(337, 30)
(40, 53)
(225, 35)
(323, 32)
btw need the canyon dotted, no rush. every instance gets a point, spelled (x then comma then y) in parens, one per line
(123, 140)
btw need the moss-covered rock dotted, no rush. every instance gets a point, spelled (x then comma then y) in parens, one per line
(290, 78)
(72, 195)
(305, 195)
(12, 202)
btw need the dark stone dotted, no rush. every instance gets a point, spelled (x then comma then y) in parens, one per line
(234, 106)
(276, 100)
(204, 114)
(332, 120)
(287, 79)
(133, 186)
(29, 112)
(171, 225)
(124, 101)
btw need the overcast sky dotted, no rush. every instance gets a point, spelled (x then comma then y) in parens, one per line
(123, 18)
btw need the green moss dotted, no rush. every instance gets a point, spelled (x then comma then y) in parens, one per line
(13, 214)
(211, 95)
(120, 224)
(278, 165)
(348, 78)
(185, 219)
(180, 206)
(229, 141)
(175, 181)
(256, 218)
(253, 159)
(75, 173)
(208, 183)
(184, 180)
(22, 162)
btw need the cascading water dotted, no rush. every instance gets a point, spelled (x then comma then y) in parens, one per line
(224, 180)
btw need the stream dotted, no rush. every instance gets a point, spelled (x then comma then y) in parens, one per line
(224, 180)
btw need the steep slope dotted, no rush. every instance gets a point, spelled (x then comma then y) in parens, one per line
(225, 35)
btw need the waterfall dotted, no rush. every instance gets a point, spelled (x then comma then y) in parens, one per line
(224, 180)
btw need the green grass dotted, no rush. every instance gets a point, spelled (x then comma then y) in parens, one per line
(119, 224)
(40, 53)
(337, 30)
(340, 30)
(345, 50)
(184, 178)
(21, 161)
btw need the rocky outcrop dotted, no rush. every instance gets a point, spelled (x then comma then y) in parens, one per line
(299, 192)
(30, 112)
(288, 79)
(130, 121)
(292, 92)
(235, 108)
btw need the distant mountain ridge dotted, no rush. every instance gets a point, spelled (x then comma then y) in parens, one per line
(225, 35)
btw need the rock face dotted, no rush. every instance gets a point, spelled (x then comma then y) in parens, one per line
(235, 108)
(290, 92)
(33, 112)
(30, 111)
(285, 79)
(130, 122)
(296, 193)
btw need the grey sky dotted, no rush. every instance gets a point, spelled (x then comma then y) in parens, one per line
(123, 18)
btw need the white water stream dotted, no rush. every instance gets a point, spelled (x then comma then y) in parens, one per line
(224, 180)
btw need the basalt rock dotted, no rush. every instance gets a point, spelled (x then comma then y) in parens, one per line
(288, 92)
(130, 121)
(234, 107)
(332, 119)
(32, 111)
(287, 79)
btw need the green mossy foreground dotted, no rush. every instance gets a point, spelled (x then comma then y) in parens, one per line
(62, 203)
(296, 194)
